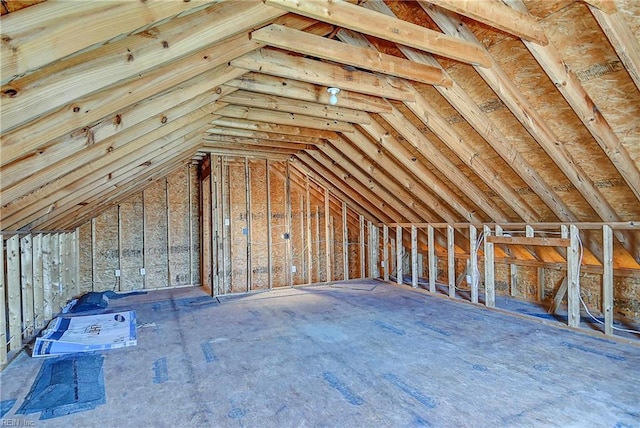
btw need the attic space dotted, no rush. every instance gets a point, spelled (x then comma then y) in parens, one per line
(353, 200)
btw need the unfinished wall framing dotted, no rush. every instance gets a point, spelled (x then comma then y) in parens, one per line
(481, 265)
(267, 224)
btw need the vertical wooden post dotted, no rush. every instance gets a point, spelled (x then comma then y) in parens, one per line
(541, 284)
(269, 235)
(303, 239)
(38, 289)
(26, 280)
(433, 267)
(399, 255)
(317, 242)
(328, 245)
(375, 252)
(247, 187)
(489, 270)
(310, 264)
(385, 251)
(144, 241)
(414, 256)
(473, 263)
(363, 254)
(75, 237)
(47, 280)
(168, 217)
(513, 278)
(119, 212)
(3, 315)
(215, 229)
(13, 293)
(56, 264)
(345, 241)
(225, 235)
(451, 261)
(190, 214)
(289, 246)
(607, 279)
(573, 277)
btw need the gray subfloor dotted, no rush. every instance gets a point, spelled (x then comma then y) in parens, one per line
(363, 354)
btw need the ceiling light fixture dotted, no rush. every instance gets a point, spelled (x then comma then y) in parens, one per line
(333, 99)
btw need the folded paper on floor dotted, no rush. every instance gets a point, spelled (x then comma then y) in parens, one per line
(66, 335)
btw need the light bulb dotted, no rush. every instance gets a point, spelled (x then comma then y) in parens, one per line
(333, 99)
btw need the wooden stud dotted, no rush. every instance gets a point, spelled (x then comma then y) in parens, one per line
(385, 252)
(47, 273)
(473, 263)
(541, 291)
(269, 233)
(26, 280)
(414, 257)
(303, 237)
(14, 304)
(363, 252)
(451, 261)
(607, 279)
(489, 270)
(317, 242)
(345, 241)
(399, 255)
(3, 315)
(310, 266)
(433, 267)
(513, 279)
(288, 221)
(328, 244)
(573, 277)
(38, 289)
(557, 299)
(190, 214)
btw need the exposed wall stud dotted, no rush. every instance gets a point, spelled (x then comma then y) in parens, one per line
(451, 261)
(399, 255)
(433, 267)
(607, 279)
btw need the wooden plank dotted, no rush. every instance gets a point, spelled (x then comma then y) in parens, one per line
(26, 282)
(520, 240)
(14, 302)
(363, 250)
(38, 289)
(307, 212)
(489, 269)
(295, 67)
(557, 299)
(367, 59)
(3, 313)
(303, 91)
(574, 259)
(29, 37)
(399, 256)
(607, 279)
(271, 102)
(283, 118)
(451, 261)
(287, 220)
(269, 226)
(385, 252)
(498, 15)
(513, 279)
(328, 245)
(541, 290)
(473, 273)
(47, 280)
(345, 241)
(414, 257)
(375, 24)
(433, 262)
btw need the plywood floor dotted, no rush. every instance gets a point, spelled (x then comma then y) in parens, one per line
(357, 354)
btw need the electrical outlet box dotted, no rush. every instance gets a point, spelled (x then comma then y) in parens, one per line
(382, 263)
(117, 273)
(143, 272)
(468, 279)
(293, 269)
(227, 222)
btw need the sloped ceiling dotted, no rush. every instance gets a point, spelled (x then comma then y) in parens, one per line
(449, 110)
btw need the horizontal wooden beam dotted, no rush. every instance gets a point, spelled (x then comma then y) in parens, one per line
(385, 27)
(283, 118)
(269, 102)
(253, 125)
(260, 135)
(497, 15)
(607, 6)
(216, 140)
(367, 59)
(281, 64)
(284, 87)
(520, 240)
